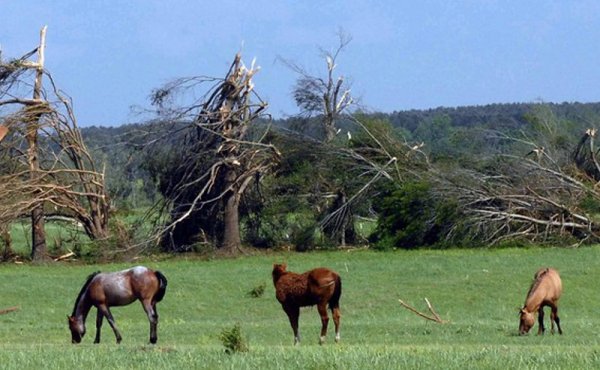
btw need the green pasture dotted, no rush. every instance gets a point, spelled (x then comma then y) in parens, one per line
(478, 291)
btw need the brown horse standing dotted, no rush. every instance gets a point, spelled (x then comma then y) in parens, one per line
(544, 291)
(104, 290)
(319, 286)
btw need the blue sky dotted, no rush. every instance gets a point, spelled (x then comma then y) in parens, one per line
(109, 55)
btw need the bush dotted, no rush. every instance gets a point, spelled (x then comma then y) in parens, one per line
(410, 216)
(257, 291)
(233, 340)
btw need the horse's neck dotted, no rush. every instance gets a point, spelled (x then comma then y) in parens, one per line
(534, 298)
(83, 307)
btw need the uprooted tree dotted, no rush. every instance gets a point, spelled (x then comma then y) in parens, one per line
(220, 152)
(45, 162)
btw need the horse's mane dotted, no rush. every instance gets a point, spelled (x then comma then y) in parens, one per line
(536, 282)
(83, 289)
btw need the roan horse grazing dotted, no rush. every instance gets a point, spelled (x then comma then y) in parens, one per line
(104, 290)
(319, 286)
(544, 291)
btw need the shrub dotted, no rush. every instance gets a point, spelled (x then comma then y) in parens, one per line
(410, 216)
(257, 291)
(233, 340)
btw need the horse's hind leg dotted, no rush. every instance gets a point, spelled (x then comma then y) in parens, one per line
(554, 318)
(293, 313)
(335, 312)
(322, 307)
(99, 317)
(541, 328)
(150, 309)
(109, 317)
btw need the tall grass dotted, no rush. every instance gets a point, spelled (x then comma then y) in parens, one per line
(478, 291)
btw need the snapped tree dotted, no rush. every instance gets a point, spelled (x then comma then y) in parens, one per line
(45, 160)
(326, 97)
(219, 156)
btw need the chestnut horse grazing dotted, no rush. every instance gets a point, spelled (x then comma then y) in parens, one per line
(544, 291)
(104, 290)
(319, 286)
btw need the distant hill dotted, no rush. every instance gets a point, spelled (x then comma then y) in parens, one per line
(493, 115)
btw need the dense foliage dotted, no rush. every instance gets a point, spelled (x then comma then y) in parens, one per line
(410, 216)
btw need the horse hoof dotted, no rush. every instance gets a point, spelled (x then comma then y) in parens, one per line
(321, 340)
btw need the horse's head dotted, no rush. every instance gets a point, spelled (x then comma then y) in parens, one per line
(77, 328)
(527, 321)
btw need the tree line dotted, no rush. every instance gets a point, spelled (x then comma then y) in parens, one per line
(212, 169)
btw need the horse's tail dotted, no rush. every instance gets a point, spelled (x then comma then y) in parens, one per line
(162, 286)
(334, 302)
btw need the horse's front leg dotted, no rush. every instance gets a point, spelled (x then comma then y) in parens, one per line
(99, 317)
(109, 317)
(322, 307)
(541, 328)
(152, 317)
(293, 313)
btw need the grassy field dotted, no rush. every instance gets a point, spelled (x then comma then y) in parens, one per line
(478, 291)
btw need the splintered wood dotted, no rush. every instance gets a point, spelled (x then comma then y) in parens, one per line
(3, 131)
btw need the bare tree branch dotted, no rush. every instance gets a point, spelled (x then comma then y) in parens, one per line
(434, 317)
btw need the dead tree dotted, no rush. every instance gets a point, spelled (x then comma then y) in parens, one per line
(49, 163)
(217, 158)
(38, 236)
(328, 97)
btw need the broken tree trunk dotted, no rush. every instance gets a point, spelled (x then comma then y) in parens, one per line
(38, 232)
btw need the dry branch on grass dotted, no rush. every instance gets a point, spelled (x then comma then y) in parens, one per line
(10, 309)
(433, 317)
